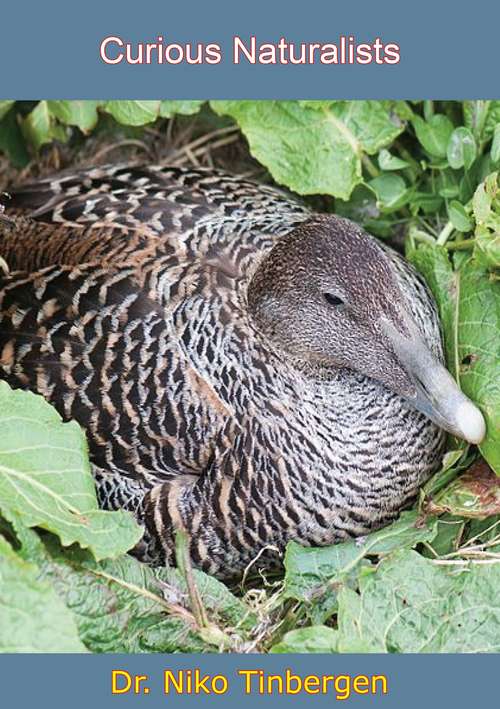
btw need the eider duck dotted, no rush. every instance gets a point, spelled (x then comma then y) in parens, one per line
(244, 369)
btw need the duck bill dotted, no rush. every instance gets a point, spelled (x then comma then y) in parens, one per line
(436, 393)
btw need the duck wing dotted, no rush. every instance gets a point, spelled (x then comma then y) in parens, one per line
(113, 276)
(126, 215)
(151, 198)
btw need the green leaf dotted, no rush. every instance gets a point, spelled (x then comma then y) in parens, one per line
(82, 114)
(495, 146)
(481, 204)
(390, 190)
(186, 108)
(461, 151)
(454, 461)
(486, 208)
(32, 616)
(448, 537)
(316, 638)
(487, 247)
(469, 306)
(425, 201)
(375, 124)
(386, 161)
(40, 127)
(45, 477)
(313, 150)
(492, 118)
(411, 604)
(434, 134)
(459, 217)
(448, 182)
(475, 115)
(484, 531)
(133, 113)
(310, 570)
(123, 605)
(315, 103)
(12, 140)
(476, 493)
(433, 263)
(5, 107)
(479, 350)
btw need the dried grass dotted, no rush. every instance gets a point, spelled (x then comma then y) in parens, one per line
(181, 142)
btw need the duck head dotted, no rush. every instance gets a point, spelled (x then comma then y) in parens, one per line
(328, 294)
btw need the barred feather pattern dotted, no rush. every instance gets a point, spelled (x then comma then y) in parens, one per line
(126, 308)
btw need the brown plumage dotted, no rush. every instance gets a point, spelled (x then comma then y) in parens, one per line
(237, 363)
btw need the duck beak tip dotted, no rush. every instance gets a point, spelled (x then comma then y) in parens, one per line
(471, 422)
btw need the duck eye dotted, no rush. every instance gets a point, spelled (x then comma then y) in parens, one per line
(332, 299)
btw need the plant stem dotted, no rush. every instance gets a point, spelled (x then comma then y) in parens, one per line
(461, 245)
(420, 235)
(428, 109)
(444, 234)
(405, 155)
(370, 167)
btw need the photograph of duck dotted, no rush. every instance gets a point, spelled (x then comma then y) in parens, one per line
(254, 365)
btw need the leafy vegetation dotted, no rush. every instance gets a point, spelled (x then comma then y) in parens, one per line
(423, 175)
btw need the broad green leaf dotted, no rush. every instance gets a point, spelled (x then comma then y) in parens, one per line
(476, 493)
(76, 113)
(425, 201)
(12, 141)
(41, 127)
(32, 616)
(316, 638)
(373, 123)
(450, 531)
(386, 161)
(482, 117)
(5, 107)
(487, 247)
(309, 570)
(475, 115)
(433, 263)
(479, 350)
(481, 204)
(483, 531)
(45, 477)
(313, 150)
(170, 108)
(468, 183)
(318, 104)
(454, 462)
(123, 605)
(434, 134)
(495, 146)
(469, 306)
(461, 150)
(459, 217)
(492, 118)
(411, 604)
(133, 113)
(390, 190)
(448, 183)
(486, 208)
(403, 110)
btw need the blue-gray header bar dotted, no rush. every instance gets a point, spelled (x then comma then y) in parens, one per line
(196, 49)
